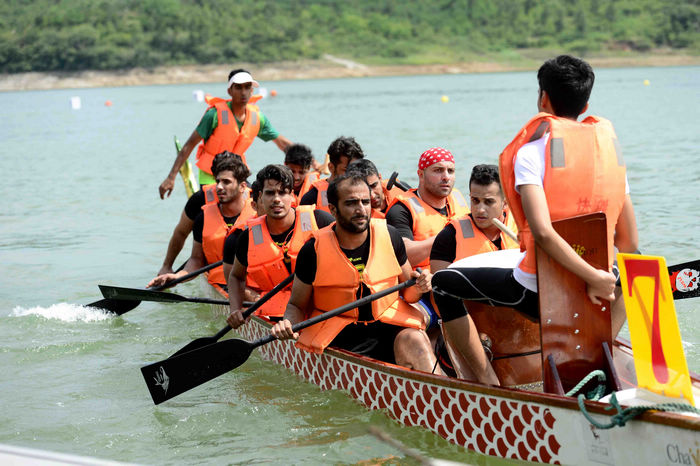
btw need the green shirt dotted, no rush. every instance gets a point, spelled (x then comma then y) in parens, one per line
(209, 122)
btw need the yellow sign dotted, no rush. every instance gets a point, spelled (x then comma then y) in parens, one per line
(656, 340)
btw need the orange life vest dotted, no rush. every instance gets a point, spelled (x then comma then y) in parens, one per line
(322, 196)
(266, 259)
(471, 240)
(584, 172)
(337, 281)
(214, 236)
(210, 196)
(309, 181)
(428, 222)
(227, 136)
(389, 195)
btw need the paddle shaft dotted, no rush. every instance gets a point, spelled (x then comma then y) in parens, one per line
(393, 181)
(336, 312)
(257, 304)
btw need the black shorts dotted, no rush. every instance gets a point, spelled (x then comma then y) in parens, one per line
(374, 340)
(494, 286)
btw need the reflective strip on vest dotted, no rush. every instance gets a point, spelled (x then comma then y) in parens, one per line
(556, 152)
(539, 132)
(210, 195)
(324, 198)
(416, 205)
(459, 199)
(257, 234)
(224, 118)
(254, 116)
(466, 227)
(305, 221)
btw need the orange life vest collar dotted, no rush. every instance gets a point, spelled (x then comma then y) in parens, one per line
(227, 136)
(584, 173)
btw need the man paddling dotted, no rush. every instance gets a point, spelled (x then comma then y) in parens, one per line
(420, 214)
(555, 168)
(341, 152)
(230, 125)
(298, 159)
(266, 252)
(354, 258)
(212, 225)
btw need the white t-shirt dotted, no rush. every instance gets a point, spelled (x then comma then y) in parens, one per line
(529, 169)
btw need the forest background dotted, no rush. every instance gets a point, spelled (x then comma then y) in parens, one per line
(66, 36)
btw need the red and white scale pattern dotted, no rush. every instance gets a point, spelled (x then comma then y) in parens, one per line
(487, 424)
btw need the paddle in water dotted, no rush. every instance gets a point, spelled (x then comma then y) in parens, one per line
(170, 377)
(204, 341)
(121, 306)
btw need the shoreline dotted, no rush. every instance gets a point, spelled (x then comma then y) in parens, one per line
(327, 67)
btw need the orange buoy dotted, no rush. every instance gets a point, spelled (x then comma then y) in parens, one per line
(108, 103)
(273, 93)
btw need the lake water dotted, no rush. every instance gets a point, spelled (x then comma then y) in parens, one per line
(81, 207)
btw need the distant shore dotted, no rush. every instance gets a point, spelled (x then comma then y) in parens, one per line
(327, 67)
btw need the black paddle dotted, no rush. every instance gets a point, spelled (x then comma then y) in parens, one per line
(121, 306)
(170, 377)
(393, 181)
(204, 341)
(138, 294)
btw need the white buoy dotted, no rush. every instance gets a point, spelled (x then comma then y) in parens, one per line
(75, 103)
(262, 91)
(198, 95)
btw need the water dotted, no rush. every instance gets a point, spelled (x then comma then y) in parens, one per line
(81, 208)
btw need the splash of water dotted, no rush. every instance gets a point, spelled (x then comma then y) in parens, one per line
(64, 311)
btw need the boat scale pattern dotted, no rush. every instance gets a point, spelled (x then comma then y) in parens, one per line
(485, 424)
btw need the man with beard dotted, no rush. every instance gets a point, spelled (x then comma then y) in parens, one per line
(353, 258)
(215, 220)
(266, 251)
(420, 214)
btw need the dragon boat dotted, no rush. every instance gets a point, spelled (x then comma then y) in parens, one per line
(529, 417)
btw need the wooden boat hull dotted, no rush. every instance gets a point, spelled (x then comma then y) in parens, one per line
(501, 422)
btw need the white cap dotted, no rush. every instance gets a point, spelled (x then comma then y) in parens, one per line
(241, 78)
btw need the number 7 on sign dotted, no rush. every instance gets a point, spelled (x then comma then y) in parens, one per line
(656, 340)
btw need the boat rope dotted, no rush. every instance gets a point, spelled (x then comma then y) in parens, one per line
(597, 392)
(625, 414)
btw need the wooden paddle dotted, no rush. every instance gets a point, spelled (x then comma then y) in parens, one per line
(121, 306)
(170, 377)
(686, 269)
(204, 341)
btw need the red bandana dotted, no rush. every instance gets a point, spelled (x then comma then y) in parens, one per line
(434, 155)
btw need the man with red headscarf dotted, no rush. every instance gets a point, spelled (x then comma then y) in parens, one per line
(420, 214)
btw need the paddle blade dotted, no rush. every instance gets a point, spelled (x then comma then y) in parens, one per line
(121, 293)
(170, 377)
(116, 306)
(685, 280)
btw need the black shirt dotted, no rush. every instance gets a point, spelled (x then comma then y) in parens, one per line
(399, 216)
(306, 264)
(194, 205)
(238, 247)
(310, 197)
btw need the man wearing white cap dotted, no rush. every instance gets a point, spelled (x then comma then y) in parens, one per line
(227, 125)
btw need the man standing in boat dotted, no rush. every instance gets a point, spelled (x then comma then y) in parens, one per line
(215, 220)
(341, 152)
(354, 258)
(541, 184)
(420, 214)
(230, 125)
(266, 251)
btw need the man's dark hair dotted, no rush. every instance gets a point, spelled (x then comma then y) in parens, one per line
(332, 191)
(299, 154)
(344, 146)
(255, 189)
(362, 167)
(484, 175)
(237, 70)
(280, 173)
(231, 162)
(568, 82)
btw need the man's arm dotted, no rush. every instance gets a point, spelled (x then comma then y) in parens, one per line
(236, 292)
(166, 187)
(282, 142)
(177, 241)
(413, 293)
(196, 261)
(600, 283)
(626, 235)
